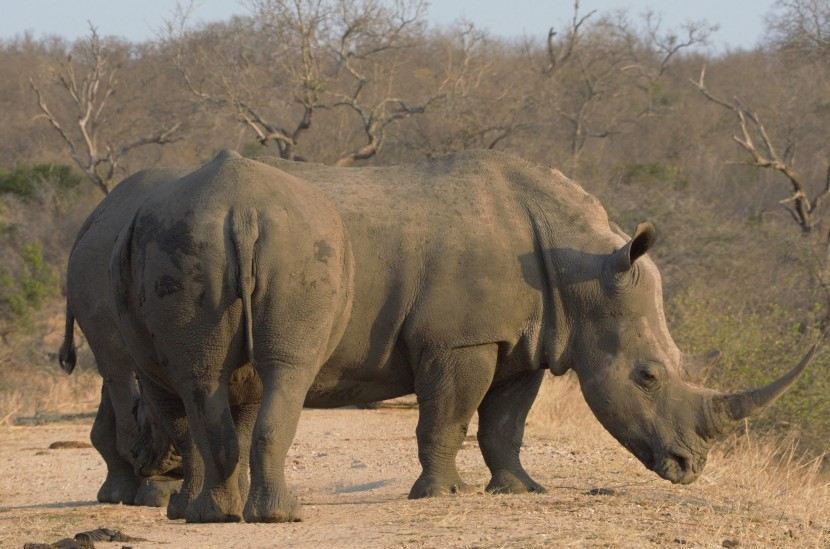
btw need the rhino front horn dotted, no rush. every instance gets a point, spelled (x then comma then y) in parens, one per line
(728, 409)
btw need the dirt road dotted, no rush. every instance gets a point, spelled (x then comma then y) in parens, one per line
(352, 469)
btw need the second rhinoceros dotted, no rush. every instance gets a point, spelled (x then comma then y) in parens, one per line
(115, 432)
(473, 274)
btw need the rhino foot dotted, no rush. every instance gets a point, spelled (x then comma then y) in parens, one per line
(214, 506)
(506, 482)
(283, 508)
(119, 488)
(428, 486)
(177, 505)
(155, 492)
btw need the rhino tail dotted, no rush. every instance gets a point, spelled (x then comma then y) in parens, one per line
(68, 354)
(244, 228)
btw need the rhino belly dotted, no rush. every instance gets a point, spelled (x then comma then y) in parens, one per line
(351, 379)
(350, 392)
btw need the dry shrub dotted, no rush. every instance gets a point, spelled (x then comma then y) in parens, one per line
(758, 487)
(38, 396)
(772, 472)
(560, 411)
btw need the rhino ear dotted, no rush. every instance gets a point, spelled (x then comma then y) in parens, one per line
(643, 239)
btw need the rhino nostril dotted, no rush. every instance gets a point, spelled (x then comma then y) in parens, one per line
(683, 464)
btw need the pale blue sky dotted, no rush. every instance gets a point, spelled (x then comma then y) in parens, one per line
(741, 21)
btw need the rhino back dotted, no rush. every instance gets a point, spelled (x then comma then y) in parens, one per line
(448, 253)
(180, 288)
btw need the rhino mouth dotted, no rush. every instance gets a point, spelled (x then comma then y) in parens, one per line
(677, 468)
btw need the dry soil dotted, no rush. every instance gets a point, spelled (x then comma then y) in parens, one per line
(352, 469)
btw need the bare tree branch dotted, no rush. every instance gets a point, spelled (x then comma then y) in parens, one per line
(755, 140)
(90, 92)
(557, 59)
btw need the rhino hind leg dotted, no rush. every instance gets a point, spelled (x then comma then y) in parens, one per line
(214, 432)
(449, 387)
(168, 413)
(284, 389)
(502, 415)
(121, 483)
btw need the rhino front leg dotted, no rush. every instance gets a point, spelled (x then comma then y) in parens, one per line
(193, 469)
(502, 415)
(245, 417)
(245, 392)
(449, 387)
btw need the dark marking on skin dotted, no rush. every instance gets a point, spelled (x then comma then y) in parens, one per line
(175, 239)
(322, 251)
(166, 285)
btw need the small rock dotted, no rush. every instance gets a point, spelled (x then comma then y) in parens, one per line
(63, 444)
(601, 492)
(729, 543)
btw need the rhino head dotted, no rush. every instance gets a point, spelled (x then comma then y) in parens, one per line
(639, 385)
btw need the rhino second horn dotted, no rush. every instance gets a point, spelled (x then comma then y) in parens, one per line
(697, 367)
(735, 407)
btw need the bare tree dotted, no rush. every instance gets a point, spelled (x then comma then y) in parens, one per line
(489, 92)
(293, 59)
(801, 26)
(805, 201)
(603, 74)
(90, 86)
(371, 39)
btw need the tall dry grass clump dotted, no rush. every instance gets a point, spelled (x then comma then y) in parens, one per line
(758, 487)
(36, 396)
(769, 472)
(561, 411)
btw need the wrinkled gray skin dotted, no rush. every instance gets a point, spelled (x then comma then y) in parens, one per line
(235, 263)
(474, 273)
(114, 432)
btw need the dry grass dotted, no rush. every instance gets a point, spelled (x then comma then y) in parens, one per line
(37, 396)
(757, 490)
(33, 388)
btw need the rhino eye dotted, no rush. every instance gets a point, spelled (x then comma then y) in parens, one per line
(647, 376)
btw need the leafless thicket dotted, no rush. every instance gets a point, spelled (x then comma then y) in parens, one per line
(90, 83)
(736, 187)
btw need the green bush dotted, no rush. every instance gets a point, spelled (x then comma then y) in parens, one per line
(25, 181)
(651, 174)
(758, 346)
(25, 291)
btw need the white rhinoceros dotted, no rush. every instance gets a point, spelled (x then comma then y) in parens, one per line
(473, 274)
